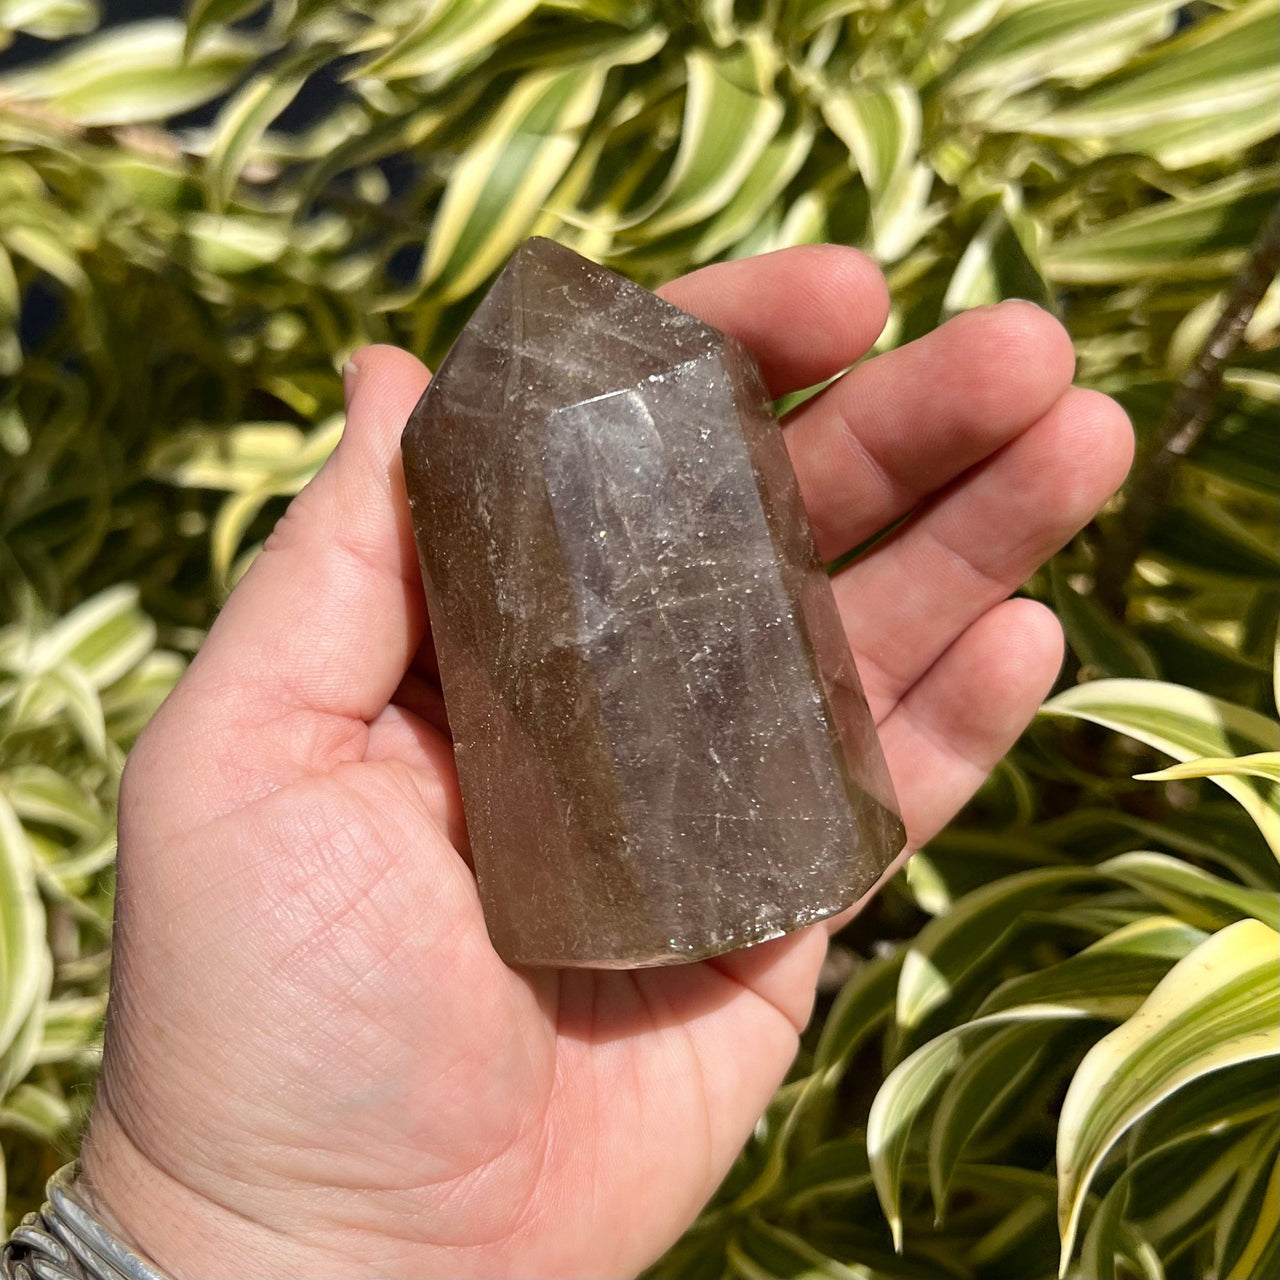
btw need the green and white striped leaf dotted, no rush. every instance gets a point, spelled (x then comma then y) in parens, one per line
(1218, 1007)
(1071, 40)
(731, 115)
(132, 700)
(39, 793)
(245, 117)
(880, 123)
(71, 1026)
(448, 33)
(205, 15)
(1120, 1240)
(1185, 724)
(1262, 764)
(1210, 90)
(1001, 261)
(103, 637)
(49, 19)
(232, 458)
(240, 510)
(68, 691)
(508, 170)
(135, 72)
(984, 1086)
(915, 1082)
(1247, 1238)
(777, 164)
(1218, 221)
(864, 1005)
(1204, 900)
(37, 1113)
(948, 950)
(1108, 979)
(23, 968)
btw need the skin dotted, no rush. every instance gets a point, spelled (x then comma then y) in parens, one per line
(315, 1062)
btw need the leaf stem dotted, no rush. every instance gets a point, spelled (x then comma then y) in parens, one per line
(1189, 413)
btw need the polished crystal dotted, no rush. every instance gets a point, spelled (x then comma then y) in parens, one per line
(662, 742)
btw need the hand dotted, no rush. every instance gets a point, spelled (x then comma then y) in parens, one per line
(315, 1062)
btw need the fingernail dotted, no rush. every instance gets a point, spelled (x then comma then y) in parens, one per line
(350, 376)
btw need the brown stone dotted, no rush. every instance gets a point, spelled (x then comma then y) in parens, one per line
(662, 742)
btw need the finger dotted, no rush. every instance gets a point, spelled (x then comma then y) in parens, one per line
(331, 612)
(959, 719)
(907, 601)
(902, 425)
(952, 729)
(805, 313)
(398, 735)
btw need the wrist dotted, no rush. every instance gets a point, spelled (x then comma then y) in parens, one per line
(182, 1232)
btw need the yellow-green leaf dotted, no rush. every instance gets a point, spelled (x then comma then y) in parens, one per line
(1200, 235)
(1218, 1007)
(1262, 764)
(915, 1082)
(1209, 91)
(39, 793)
(104, 637)
(1245, 1240)
(1206, 901)
(22, 963)
(233, 458)
(1058, 40)
(949, 949)
(133, 73)
(775, 167)
(508, 170)
(1108, 979)
(880, 123)
(49, 19)
(730, 116)
(246, 116)
(1186, 725)
(446, 35)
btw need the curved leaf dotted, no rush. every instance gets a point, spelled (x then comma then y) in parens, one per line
(915, 1082)
(446, 35)
(1262, 764)
(777, 164)
(1201, 235)
(1215, 1008)
(134, 72)
(22, 953)
(247, 115)
(1184, 724)
(1076, 40)
(497, 187)
(984, 1086)
(1110, 978)
(731, 114)
(1245, 1241)
(880, 123)
(104, 637)
(947, 950)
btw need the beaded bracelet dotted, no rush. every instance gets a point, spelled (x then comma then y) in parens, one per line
(65, 1241)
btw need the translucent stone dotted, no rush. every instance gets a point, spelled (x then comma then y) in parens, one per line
(662, 742)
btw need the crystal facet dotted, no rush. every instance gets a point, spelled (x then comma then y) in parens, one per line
(662, 742)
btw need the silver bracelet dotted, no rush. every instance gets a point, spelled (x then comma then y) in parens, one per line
(65, 1241)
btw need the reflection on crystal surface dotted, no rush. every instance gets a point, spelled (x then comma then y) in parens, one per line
(663, 747)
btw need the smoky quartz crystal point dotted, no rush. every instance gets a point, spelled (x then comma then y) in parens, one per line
(662, 742)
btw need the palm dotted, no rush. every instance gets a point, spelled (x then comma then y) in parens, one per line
(386, 1093)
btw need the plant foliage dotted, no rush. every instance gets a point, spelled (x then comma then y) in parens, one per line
(1068, 1001)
